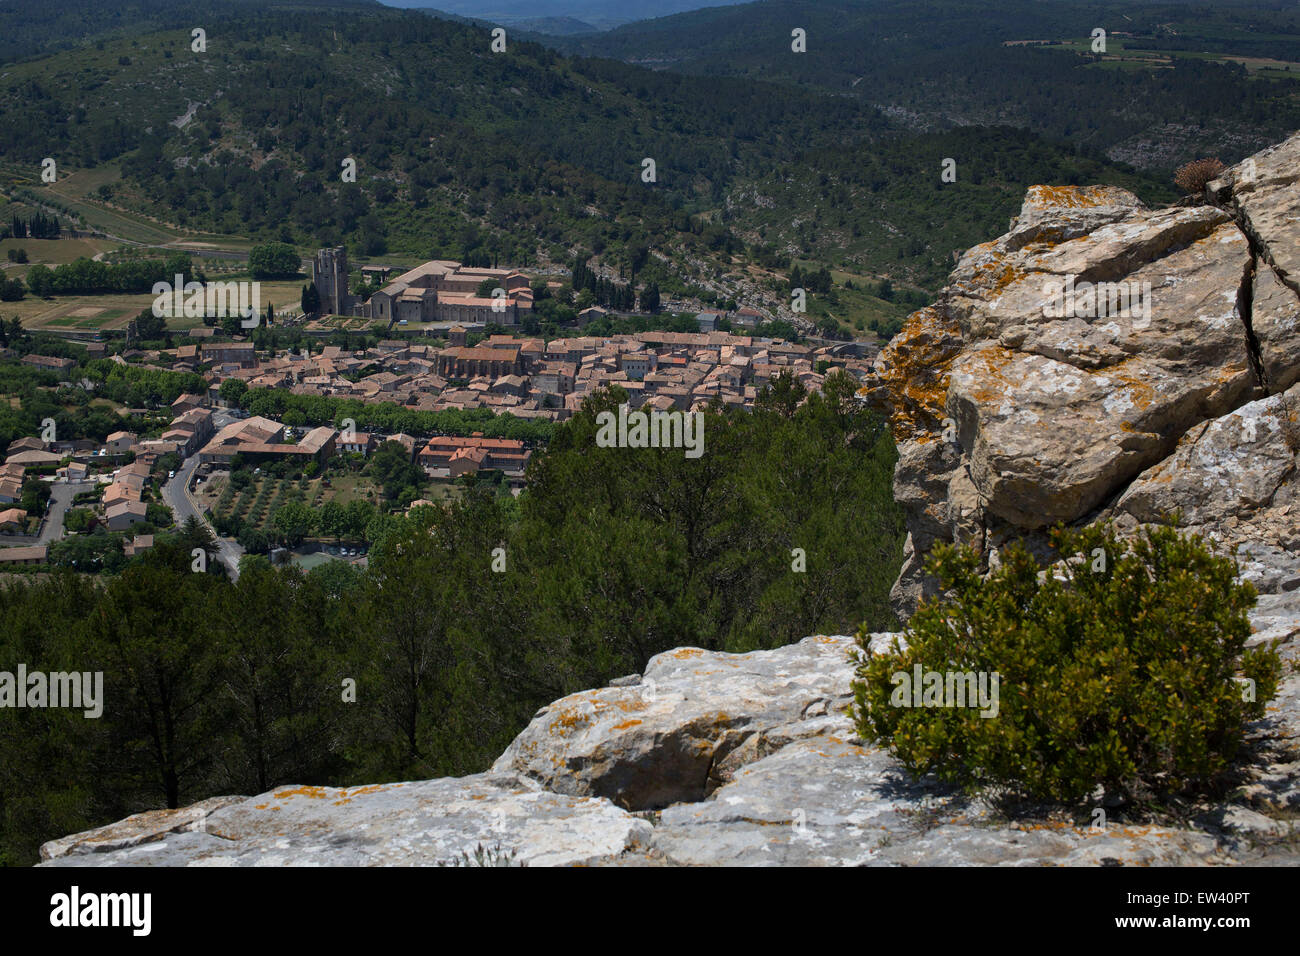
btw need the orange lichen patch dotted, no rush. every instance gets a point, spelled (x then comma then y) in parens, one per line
(1066, 197)
(568, 721)
(359, 791)
(261, 806)
(316, 793)
(993, 382)
(910, 379)
(1136, 383)
(478, 796)
(686, 653)
(996, 274)
(849, 749)
(1048, 825)
(626, 724)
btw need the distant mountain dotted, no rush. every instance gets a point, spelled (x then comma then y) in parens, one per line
(602, 14)
(554, 26)
(527, 28)
(1194, 86)
(526, 157)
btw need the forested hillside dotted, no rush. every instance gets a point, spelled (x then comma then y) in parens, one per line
(523, 156)
(29, 30)
(933, 64)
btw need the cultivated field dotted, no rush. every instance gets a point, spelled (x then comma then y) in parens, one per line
(113, 311)
(257, 503)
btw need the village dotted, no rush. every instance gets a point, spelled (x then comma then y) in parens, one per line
(219, 463)
(133, 486)
(526, 377)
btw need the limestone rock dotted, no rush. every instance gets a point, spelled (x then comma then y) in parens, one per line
(1054, 214)
(1073, 354)
(1275, 322)
(417, 823)
(141, 828)
(1056, 414)
(1058, 843)
(1263, 191)
(821, 801)
(1238, 466)
(691, 722)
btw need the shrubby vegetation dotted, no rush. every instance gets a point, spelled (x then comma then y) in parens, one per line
(34, 396)
(1193, 177)
(612, 555)
(274, 260)
(1119, 673)
(87, 277)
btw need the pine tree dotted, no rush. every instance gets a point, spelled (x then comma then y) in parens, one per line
(650, 298)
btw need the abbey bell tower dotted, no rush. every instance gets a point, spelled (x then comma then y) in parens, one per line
(329, 274)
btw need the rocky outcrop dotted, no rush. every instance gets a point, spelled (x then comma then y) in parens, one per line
(1011, 412)
(707, 759)
(681, 730)
(1071, 368)
(427, 822)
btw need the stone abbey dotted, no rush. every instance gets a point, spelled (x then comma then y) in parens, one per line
(440, 290)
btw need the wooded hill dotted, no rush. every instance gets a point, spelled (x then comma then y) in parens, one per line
(522, 156)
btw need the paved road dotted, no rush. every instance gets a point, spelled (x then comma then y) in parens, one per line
(61, 495)
(176, 494)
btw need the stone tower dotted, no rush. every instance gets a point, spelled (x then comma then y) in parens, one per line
(329, 274)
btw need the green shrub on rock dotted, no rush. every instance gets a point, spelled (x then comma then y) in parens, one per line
(1119, 669)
